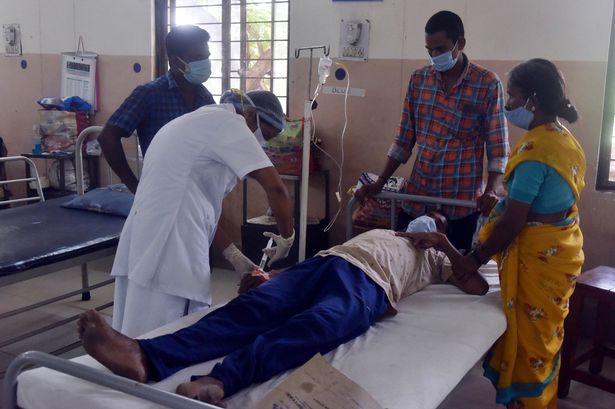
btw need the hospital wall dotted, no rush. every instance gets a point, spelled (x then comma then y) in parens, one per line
(121, 32)
(575, 35)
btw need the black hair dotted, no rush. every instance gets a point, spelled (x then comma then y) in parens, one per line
(541, 78)
(448, 22)
(181, 38)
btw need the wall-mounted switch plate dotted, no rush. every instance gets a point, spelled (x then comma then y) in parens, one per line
(11, 35)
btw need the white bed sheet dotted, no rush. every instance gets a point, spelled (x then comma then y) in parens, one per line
(410, 361)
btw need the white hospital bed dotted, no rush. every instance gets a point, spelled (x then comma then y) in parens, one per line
(410, 361)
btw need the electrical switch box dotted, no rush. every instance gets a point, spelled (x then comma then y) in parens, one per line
(354, 39)
(12, 39)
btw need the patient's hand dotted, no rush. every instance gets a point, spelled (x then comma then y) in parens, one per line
(425, 240)
(252, 280)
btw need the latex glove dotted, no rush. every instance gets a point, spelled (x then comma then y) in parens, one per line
(240, 262)
(282, 246)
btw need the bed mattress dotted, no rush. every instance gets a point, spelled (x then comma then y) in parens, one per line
(410, 361)
(45, 233)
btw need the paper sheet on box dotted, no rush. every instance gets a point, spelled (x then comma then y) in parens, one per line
(318, 385)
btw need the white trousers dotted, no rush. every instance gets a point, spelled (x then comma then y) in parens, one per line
(138, 309)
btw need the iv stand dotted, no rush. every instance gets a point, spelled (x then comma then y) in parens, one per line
(305, 165)
(325, 50)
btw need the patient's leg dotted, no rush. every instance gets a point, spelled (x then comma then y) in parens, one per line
(347, 305)
(239, 322)
(120, 354)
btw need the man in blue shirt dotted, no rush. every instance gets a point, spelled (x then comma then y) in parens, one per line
(152, 105)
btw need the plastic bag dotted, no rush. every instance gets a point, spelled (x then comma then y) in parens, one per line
(376, 213)
(70, 177)
(286, 150)
(76, 104)
(51, 103)
(291, 138)
(59, 129)
(93, 148)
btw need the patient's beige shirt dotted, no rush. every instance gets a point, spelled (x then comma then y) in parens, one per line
(393, 263)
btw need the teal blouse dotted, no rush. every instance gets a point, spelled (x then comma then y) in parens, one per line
(541, 187)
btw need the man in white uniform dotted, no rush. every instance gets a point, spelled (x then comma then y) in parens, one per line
(162, 262)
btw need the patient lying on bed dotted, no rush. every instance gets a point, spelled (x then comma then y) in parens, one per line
(310, 308)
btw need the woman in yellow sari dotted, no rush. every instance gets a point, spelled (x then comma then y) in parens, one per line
(534, 236)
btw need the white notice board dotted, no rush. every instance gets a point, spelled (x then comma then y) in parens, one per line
(79, 76)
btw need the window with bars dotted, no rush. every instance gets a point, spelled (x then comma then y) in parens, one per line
(248, 41)
(606, 162)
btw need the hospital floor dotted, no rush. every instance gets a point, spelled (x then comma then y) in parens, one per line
(473, 392)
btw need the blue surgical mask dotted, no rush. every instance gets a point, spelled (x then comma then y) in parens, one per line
(444, 61)
(423, 224)
(520, 116)
(196, 72)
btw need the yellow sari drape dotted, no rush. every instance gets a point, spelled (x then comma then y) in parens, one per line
(537, 277)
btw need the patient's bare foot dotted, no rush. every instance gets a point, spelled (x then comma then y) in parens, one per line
(120, 354)
(205, 389)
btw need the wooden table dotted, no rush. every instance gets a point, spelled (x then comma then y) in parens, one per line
(597, 284)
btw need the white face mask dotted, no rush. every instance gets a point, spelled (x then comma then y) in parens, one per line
(259, 134)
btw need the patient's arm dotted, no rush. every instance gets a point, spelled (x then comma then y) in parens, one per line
(471, 283)
(256, 278)
(475, 284)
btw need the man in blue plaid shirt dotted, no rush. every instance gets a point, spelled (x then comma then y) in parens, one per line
(152, 105)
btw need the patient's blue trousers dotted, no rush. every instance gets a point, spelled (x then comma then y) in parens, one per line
(312, 307)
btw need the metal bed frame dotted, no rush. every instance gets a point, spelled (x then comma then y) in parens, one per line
(81, 260)
(141, 390)
(79, 156)
(35, 178)
(396, 198)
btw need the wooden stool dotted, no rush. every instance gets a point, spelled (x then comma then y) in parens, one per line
(597, 284)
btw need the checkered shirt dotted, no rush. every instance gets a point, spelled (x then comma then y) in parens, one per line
(152, 105)
(451, 133)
